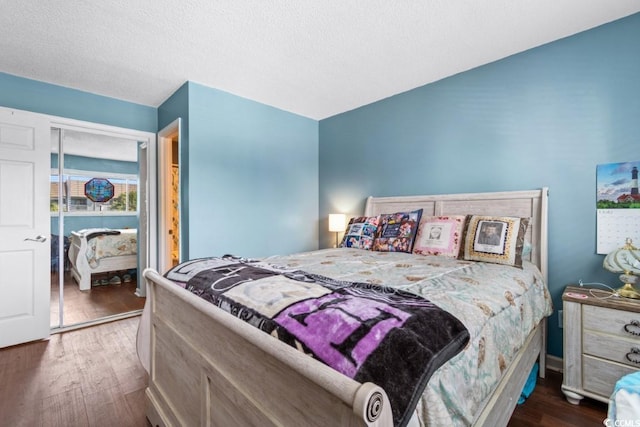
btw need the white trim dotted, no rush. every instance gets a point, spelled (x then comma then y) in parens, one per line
(106, 319)
(555, 363)
(101, 129)
(164, 178)
(60, 241)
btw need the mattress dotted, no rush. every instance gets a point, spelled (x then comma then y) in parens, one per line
(499, 305)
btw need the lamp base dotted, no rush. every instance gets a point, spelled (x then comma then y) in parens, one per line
(628, 291)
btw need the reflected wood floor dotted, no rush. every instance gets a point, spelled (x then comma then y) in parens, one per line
(92, 377)
(95, 303)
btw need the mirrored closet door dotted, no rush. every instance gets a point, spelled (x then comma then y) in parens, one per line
(96, 243)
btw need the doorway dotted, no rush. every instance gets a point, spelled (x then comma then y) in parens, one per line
(169, 196)
(100, 224)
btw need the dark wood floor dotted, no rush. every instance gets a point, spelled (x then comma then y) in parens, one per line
(95, 303)
(86, 377)
(92, 377)
(547, 407)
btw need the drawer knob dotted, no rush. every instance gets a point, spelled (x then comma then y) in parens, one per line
(633, 327)
(634, 355)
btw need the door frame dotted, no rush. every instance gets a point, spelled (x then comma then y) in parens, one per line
(148, 235)
(165, 141)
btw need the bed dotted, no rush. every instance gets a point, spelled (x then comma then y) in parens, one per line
(207, 367)
(101, 250)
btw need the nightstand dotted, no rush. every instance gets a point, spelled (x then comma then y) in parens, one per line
(601, 342)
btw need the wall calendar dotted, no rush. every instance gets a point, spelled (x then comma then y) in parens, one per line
(617, 205)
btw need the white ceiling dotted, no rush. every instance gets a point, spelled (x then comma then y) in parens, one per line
(313, 58)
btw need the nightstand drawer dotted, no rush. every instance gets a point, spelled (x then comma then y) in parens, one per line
(598, 351)
(600, 376)
(611, 347)
(610, 321)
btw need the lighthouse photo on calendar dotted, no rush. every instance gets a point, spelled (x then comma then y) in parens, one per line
(618, 186)
(617, 205)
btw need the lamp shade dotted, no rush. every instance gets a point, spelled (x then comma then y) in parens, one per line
(623, 260)
(336, 222)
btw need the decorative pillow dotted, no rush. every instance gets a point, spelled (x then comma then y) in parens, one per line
(396, 232)
(495, 239)
(440, 235)
(360, 232)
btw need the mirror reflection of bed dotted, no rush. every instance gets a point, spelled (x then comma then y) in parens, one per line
(94, 205)
(102, 250)
(100, 274)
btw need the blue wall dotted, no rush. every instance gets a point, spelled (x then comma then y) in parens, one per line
(252, 176)
(545, 117)
(45, 98)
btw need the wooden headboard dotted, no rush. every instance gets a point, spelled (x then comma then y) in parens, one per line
(530, 204)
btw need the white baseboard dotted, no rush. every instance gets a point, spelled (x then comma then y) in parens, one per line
(554, 363)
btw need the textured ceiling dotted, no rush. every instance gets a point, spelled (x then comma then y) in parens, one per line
(313, 58)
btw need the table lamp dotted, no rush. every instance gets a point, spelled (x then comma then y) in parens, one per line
(336, 224)
(625, 260)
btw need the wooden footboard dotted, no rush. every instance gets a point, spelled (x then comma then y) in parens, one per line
(210, 368)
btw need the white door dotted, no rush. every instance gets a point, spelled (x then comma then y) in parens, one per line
(25, 247)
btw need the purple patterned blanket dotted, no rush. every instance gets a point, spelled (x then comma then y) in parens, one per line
(370, 333)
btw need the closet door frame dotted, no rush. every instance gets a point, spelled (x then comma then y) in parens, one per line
(165, 198)
(148, 138)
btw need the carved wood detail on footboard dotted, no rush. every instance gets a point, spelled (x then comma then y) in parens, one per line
(210, 368)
